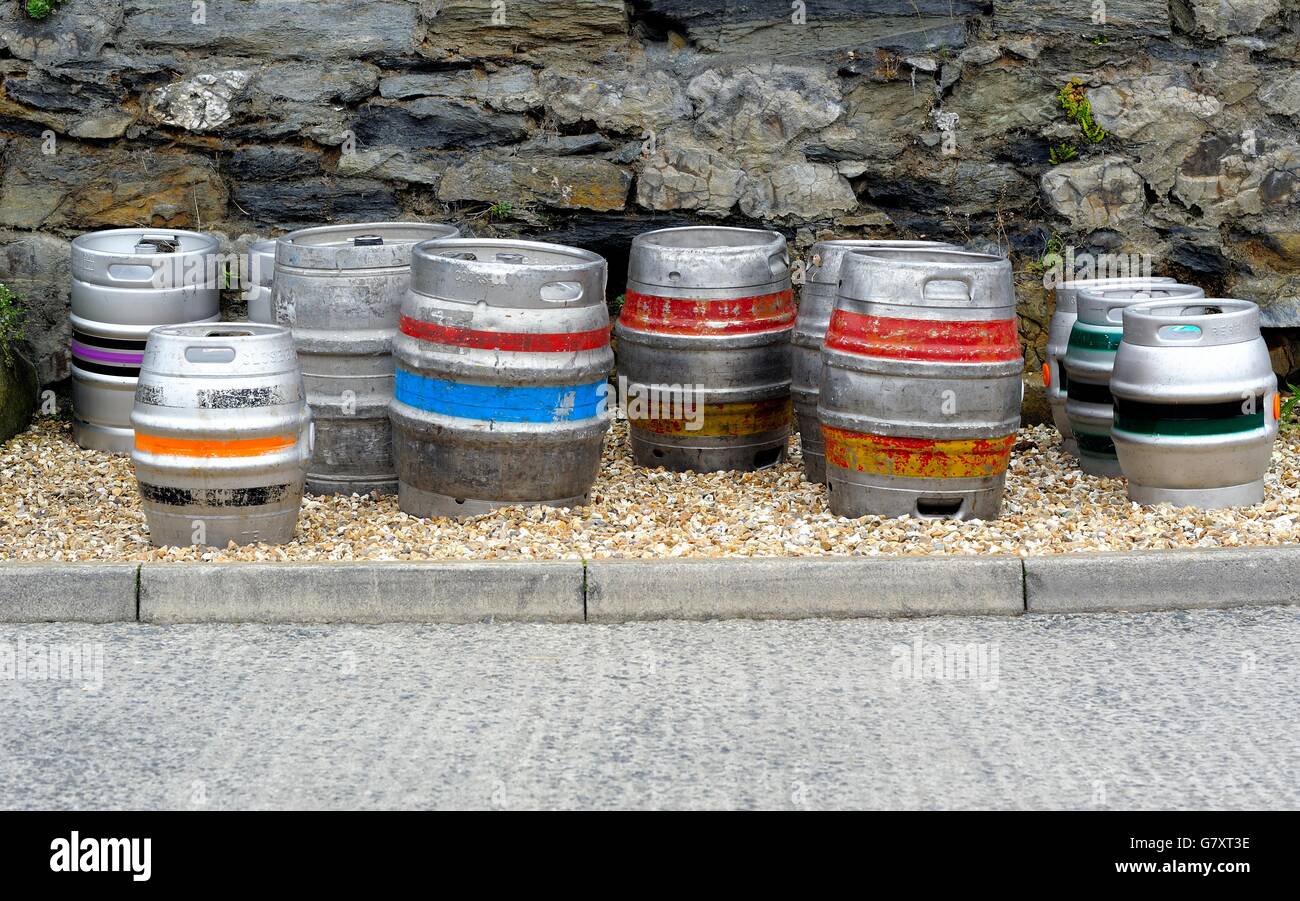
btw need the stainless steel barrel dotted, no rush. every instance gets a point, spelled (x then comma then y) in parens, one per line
(1064, 313)
(1088, 361)
(816, 302)
(222, 435)
(704, 348)
(340, 289)
(258, 275)
(126, 282)
(503, 361)
(1196, 403)
(921, 384)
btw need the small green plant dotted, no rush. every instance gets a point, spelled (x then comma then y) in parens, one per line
(1288, 420)
(1078, 109)
(502, 209)
(12, 325)
(616, 306)
(1101, 39)
(39, 9)
(1052, 251)
(1062, 153)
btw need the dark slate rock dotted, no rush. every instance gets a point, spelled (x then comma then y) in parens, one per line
(435, 124)
(315, 200)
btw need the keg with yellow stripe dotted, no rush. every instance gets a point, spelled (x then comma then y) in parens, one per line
(816, 303)
(921, 384)
(704, 348)
(1196, 403)
(222, 435)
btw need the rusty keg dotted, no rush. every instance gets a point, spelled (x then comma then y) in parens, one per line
(503, 361)
(1064, 313)
(1196, 403)
(222, 434)
(125, 283)
(704, 343)
(921, 384)
(816, 303)
(1089, 359)
(340, 288)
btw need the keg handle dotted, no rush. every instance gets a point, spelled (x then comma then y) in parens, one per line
(1179, 333)
(562, 292)
(201, 353)
(967, 283)
(779, 263)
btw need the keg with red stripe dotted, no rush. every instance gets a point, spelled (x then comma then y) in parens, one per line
(704, 348)
(222, 435)
(816, 303)
(125, 282)
(503, 361)
(921, 384)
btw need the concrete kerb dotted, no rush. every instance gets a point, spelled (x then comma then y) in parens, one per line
(1163, 580)
(609, 591)
(68, 592)
(375, 592)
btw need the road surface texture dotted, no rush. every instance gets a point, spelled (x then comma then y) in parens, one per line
(1170, 710)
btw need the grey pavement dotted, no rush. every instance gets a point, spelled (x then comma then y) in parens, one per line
(1156, 710)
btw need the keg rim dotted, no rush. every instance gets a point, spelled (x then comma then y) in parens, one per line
(761, 238)
(223, 332)
(1144, 322)
(840, 247)
(927, 256)
(83, 245)
(582, 258)
(1117, 282)
(1095, 307)
(356, 229)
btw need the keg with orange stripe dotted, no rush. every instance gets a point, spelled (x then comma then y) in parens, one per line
(921, 384)
(223, 434)
(704, 348)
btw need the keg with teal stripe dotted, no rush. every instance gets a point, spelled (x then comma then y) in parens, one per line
(1089, 359)
(502, 365)
(1196, 403)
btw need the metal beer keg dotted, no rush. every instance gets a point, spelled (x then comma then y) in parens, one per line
(816, 303)
(222, 434)
(921, 384)
(1196, 403)
(503, 360)
(125, 283)
(1088, 361)
(340, 288)
(1064, 313)
(705, 332)
(259, 279)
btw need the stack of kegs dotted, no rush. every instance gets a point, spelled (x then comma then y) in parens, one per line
(921, 385)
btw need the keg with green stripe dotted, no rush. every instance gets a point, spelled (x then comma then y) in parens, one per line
(1196, 403)
(1089, 359)
(1065, 312)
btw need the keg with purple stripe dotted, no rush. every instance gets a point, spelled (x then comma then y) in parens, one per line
(125, 283)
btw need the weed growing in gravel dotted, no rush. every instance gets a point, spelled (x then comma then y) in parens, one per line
(1289, 420)
(12, 325)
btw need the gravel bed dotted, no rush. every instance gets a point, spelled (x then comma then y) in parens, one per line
(63, 503)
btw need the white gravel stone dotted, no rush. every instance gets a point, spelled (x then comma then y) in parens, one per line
(63, 503)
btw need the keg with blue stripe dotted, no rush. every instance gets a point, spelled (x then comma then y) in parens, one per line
(222, 435)
(1196, 403)
(125, 283)
(1089, 359)
(502, 365)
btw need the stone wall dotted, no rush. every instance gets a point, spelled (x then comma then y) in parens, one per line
(587, 121)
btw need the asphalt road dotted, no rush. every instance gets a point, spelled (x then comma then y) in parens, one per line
(1099, 711)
